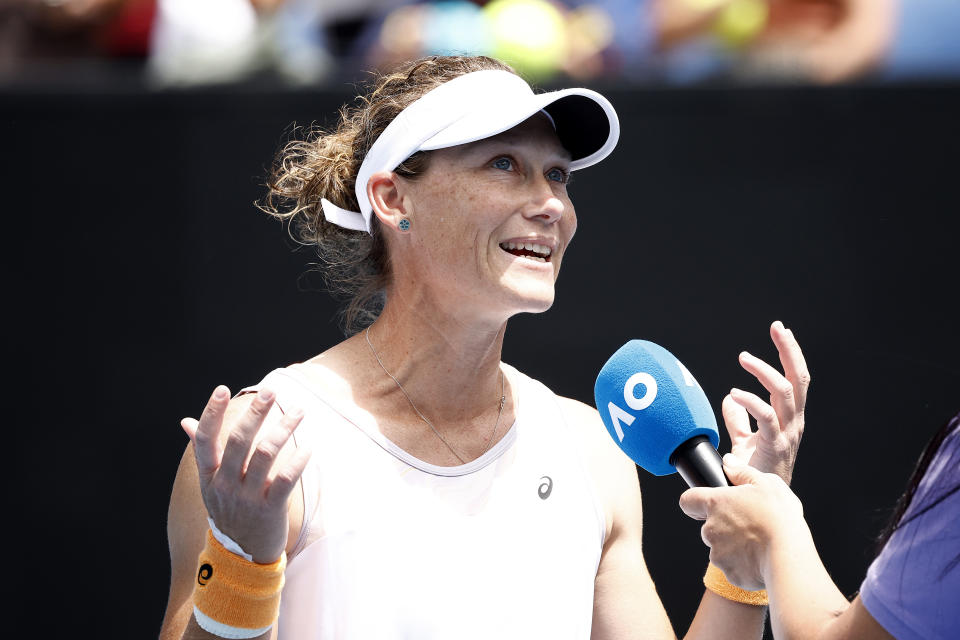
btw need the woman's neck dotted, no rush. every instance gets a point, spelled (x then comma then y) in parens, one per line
(449, 365)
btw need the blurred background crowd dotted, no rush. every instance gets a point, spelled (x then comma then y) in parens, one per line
(310, 42)
(137, 134)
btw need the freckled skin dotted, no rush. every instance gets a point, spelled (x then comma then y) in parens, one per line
(474, 197)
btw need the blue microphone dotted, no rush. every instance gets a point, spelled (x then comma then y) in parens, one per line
(655, 410)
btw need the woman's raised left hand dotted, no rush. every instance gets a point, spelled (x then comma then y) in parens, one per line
(773, 447)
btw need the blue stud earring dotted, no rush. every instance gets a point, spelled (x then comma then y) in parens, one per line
(404, 224)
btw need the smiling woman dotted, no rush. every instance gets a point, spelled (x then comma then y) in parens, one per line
(499, 253)
(406, 483)
(326, 166)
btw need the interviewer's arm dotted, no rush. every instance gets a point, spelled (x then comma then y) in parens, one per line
(758, 537)
(804, 601)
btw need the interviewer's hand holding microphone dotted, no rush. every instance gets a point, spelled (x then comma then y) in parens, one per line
(758, 537)
(744, 522)
(761, 550)
(741, 521)
(660, 417)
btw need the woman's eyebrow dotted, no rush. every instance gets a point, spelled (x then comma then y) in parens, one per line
(513, 141)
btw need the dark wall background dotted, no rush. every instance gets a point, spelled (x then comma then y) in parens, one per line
(142, 276)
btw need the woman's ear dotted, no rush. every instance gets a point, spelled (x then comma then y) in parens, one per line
(384, 192)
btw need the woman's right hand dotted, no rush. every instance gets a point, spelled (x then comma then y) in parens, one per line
(245, 482)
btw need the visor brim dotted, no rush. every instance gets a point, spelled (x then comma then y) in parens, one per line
(586, 123)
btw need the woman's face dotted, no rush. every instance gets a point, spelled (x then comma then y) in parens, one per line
(490, 222)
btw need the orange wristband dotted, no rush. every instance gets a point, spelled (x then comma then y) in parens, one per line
(233, 597)
(714, 580)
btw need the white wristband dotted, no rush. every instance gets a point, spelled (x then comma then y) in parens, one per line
(227, 541)
(210, 625)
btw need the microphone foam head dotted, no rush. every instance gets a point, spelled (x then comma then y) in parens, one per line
(651, 404)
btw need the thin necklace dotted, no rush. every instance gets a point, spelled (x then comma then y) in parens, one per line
(486, 447)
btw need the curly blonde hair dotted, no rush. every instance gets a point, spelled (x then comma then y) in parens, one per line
(355, 265)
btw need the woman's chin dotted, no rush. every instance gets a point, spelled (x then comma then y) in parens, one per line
(533, 298)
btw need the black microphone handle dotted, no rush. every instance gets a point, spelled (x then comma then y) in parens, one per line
(699, 463)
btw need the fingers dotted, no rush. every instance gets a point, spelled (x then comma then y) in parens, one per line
(705, 536)
(286, 479)
(240, 441)
(738, 472)
(205, 433)
(794, 364)
(697, 502)
(767, 421)
(268, 449)
(782, 395)
(189, 425)
(736, 419)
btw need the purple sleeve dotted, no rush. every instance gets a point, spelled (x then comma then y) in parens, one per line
(913, 587)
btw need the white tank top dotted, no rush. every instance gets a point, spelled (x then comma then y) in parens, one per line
(505, 546)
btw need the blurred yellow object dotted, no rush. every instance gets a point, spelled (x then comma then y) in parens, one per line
(706, 5)
(530, 35)
(741, 21)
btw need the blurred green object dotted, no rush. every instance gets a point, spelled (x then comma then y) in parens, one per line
(530, 35)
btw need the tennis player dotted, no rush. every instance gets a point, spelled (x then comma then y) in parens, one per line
(407, 483)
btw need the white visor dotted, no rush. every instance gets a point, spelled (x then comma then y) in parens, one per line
(475, 106)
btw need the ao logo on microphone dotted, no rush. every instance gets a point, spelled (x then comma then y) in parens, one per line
(650, 404)
(638, 400)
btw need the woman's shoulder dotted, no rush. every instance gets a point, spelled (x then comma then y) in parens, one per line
(585, 422)
(613, 474)
(331, 373)
(610, 469)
